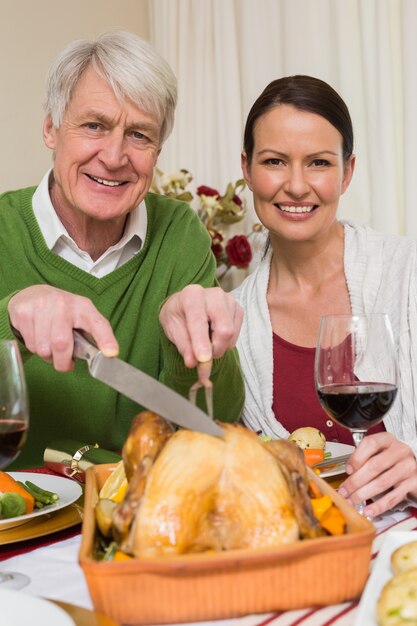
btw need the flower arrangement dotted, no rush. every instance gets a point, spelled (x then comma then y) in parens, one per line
(216, 211)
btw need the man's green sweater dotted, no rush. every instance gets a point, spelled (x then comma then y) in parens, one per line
(176, 253)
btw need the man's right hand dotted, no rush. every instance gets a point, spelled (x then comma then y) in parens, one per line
(46, 316)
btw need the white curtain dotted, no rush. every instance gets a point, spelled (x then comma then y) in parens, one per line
(199, 39)
(225, 52)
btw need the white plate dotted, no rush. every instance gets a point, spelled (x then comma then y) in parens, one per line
(21, 609)
(336, 449)
(381, 573)
(68, 490)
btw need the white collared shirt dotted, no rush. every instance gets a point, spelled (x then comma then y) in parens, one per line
(59, 241)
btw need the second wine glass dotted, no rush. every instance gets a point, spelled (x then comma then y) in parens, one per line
(14, 423)
(356, 371)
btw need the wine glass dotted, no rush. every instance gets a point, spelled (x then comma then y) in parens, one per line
(14, 423)
(356, 371)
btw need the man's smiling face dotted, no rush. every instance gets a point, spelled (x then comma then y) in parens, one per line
(105, 153)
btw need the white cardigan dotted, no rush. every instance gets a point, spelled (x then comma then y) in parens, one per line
(381, 275)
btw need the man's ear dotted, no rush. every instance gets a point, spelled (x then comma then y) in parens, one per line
(49, 133)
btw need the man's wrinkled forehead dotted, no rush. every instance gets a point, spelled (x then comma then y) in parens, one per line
(95, 99)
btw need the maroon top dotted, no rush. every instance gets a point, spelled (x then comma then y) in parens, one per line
(295, 401)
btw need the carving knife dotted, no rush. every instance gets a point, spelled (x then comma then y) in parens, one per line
(333, 463)
(143, 389)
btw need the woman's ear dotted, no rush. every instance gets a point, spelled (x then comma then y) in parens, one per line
(349, 168)
(49, 133)
(246, 169)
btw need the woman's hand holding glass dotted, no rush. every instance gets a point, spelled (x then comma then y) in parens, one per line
(382, 471)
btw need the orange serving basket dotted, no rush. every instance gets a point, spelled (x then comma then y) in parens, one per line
(193, 587)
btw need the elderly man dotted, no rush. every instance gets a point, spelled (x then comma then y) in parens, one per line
(91, 249)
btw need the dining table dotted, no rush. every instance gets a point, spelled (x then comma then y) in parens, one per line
(50, 560)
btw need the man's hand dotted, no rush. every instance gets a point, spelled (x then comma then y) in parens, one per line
(380, 465)
(45, 318)
(202, 323)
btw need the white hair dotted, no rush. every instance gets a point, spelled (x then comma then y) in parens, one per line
(129, 64)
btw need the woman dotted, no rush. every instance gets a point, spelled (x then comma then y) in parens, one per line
(298, 160)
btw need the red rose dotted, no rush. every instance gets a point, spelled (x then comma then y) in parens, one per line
(238, 251)
(207, 191)
(216, 244)
(237, 200)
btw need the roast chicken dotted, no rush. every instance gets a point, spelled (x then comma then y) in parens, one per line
(191, 492)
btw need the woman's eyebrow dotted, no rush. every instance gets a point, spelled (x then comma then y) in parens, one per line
(285, 155)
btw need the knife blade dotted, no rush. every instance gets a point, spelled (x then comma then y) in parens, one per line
(332, 461)
(143, 389)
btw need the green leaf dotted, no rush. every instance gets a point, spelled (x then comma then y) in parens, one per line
(186, 196)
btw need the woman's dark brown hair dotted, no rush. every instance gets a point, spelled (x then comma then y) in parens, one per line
(305, 93)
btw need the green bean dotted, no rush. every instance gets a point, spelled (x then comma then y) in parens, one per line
(44, 492)
(25, 487)
(37, 496)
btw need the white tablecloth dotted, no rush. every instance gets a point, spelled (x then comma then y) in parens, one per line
(55, 574)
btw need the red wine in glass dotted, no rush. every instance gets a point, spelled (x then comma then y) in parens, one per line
(13, 435)
(355, 371)
(360, 406)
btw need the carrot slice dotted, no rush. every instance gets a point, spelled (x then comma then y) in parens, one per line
(314, 489)
(321, 505)
(333, 521)
(313, 456)
(9, 485)
(121, 556)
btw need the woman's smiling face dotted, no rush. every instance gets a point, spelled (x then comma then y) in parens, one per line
(297, 173)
